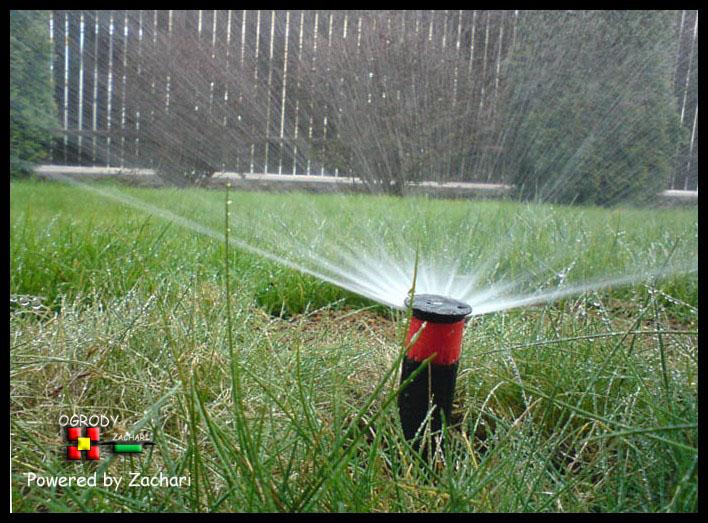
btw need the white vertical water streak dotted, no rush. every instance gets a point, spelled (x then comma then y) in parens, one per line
(314, 60)
(484, 65)
(498, 65)
(109, 90)
(213, 56)
(430, 29)
(444, 34)
(139, 73)
(124, 81)
(283, 94)
(255, 74)
(455, 76)
(94, 103)
(464, 161)
(297, 102)
(268, 96)
(688, 69)
(474, 20)
(690, 151)
(153, 81)
(324, 120)
(244, 15)
(213, 34)
(685, 92)
(243, 35)
(81, 84)
(228, 56)
(66, 81)
(52, 82)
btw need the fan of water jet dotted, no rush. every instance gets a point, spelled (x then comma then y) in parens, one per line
(375, 258)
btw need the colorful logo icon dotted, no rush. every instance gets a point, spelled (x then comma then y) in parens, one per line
(86, 445)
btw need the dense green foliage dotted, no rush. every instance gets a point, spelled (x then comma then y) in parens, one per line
(32, 107)
(591, 111)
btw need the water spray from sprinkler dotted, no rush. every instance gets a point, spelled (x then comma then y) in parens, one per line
(435, 332)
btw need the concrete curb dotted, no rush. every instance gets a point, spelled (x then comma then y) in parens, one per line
(310, 183)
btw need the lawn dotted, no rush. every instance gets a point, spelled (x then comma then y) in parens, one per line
(280, 395)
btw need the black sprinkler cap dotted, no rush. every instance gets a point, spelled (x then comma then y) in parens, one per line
(438, 309)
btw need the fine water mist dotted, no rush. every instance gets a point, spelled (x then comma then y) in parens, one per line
(586, 116)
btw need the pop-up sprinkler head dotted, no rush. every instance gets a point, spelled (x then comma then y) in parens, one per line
(434, 386)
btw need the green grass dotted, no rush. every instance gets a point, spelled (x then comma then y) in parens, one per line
(588, 404)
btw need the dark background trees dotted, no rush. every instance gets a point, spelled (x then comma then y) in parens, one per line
(590, 107)
(32, 107)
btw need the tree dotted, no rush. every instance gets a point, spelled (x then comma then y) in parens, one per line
(32, 107)
(589, 106)
(400, 105)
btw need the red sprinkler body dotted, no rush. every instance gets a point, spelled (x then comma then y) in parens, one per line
(434, 386)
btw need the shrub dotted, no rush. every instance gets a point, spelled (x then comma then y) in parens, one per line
(590, 106)
(32, 107)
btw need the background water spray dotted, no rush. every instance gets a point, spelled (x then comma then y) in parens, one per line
(575, 107)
